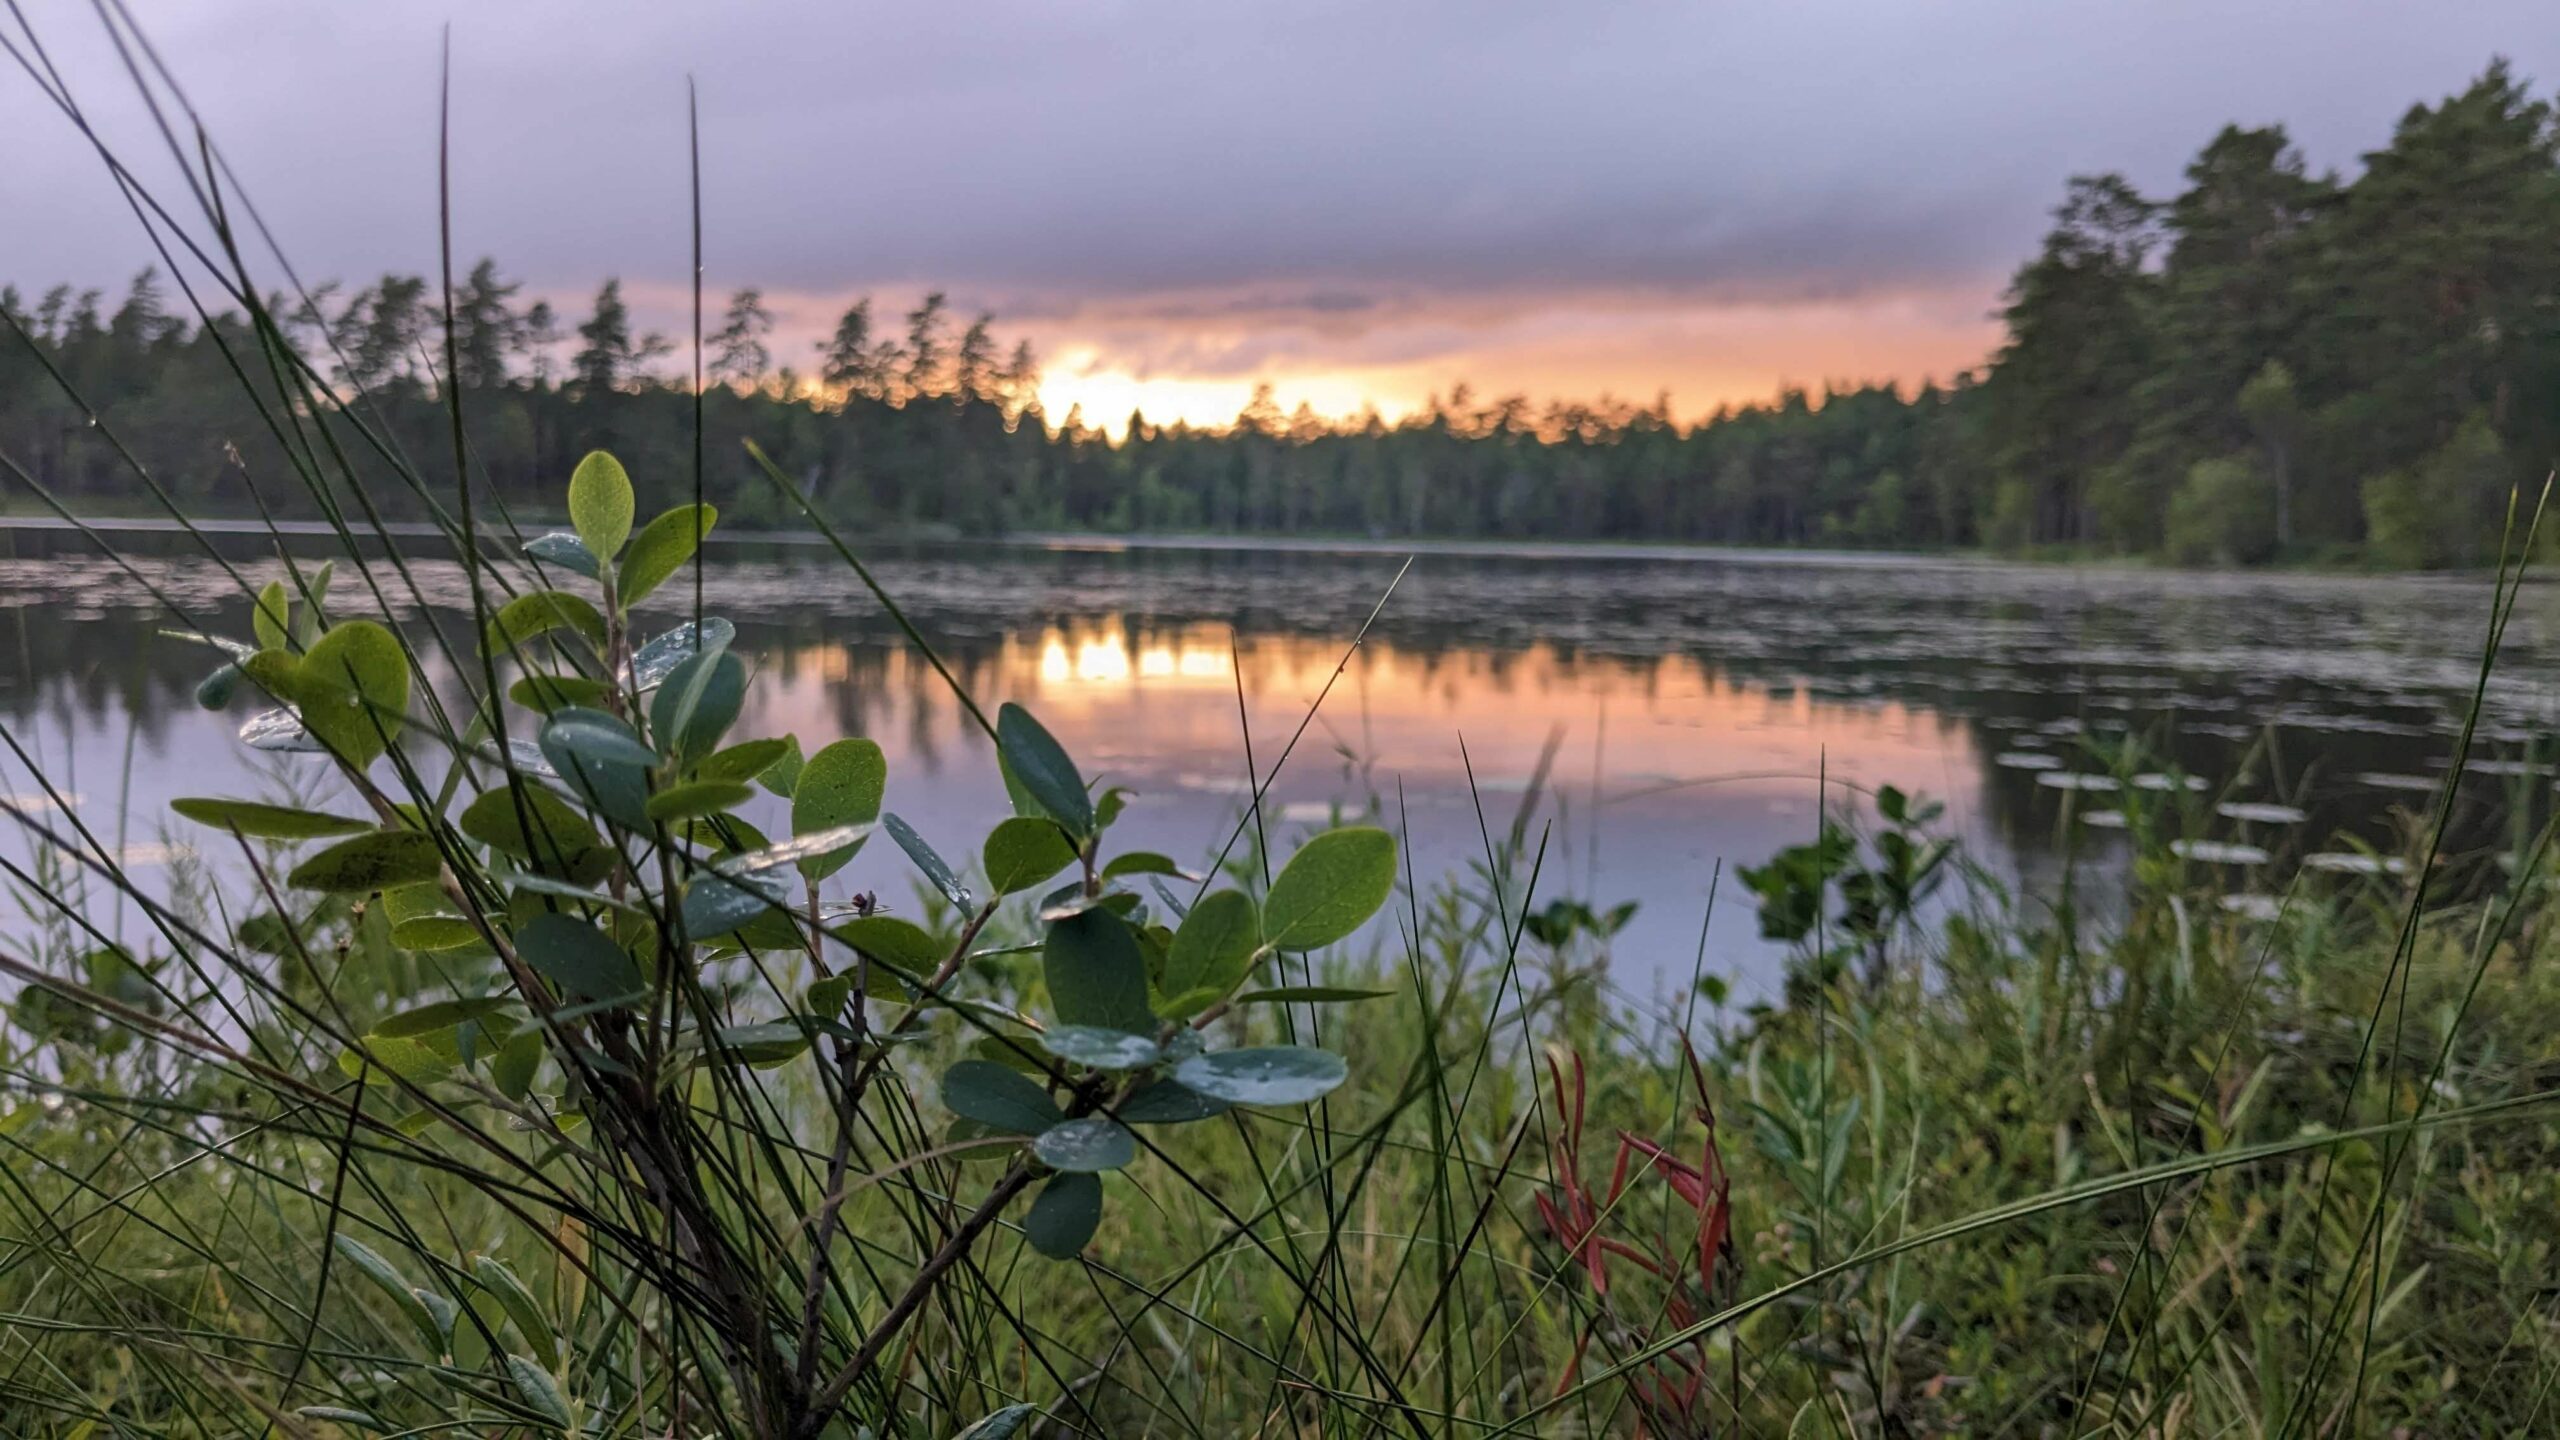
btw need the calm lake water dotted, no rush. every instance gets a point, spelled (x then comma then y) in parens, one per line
(1692, 699)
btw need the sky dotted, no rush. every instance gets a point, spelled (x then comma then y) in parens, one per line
(1358, 203)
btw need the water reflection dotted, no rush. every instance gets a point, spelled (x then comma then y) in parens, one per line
(1696, 699)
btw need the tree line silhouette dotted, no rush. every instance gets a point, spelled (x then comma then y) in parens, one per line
(2269, 363)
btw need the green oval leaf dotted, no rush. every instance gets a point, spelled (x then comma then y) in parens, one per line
(998, 1097)
(518, 1302)
(540, 1388)
(697, 798)
(1168, 1102)
(379, 861)
(352, 689)
(271, 618)
(216, 689)
(600, 504)
(745, 760)
(1330, 888)
(1141, 862)
(1211, 953)
(902, 945)
(1009, 1421)
(1308, 995)
(1265, 1075)
(661, 548)
(1097, 974)
(1023, 851)
(1102, 1049)
(840, 785)
(717, 902)
(565, 550)
(698, 703)
(655, 661)
(442, 1015)
(574, 955)
(539, 828)
(529, 617)
(549, 693)
(595, 735)
(936, 870)
(267, 822)
(436, 933)
(1040, 765)
(1086, 1146)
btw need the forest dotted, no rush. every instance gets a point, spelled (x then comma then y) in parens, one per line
(2271, 364)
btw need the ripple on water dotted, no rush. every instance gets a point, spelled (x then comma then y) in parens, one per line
(2386, 780)
(2155, 781)
(2103, 819)
(2253, 907)
(2078, 780)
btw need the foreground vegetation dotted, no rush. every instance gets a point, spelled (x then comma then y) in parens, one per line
(2271, 363)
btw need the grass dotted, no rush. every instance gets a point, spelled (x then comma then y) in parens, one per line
(1985, 1167)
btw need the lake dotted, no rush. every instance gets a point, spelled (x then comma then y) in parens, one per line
(1689, 700)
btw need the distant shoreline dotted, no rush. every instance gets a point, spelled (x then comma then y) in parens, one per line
(1101, 542)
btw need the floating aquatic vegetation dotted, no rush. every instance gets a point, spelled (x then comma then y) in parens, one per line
(2355, 862)
(2253, 907)
(2260, 812)
(2218, 852)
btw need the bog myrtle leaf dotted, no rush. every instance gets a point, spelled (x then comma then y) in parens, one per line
(1012, 1420)
(902, 945)
(743, 761)
(936, 870)
(282, 731)
(215, 690)
(386, 1277)
(796, 849)
(537, 827)
(541, 1390)
(550, 693)
(600, 504)
(652, 663)
(783, 775)
(840, 785)
(518, 1302)
(1141, 862)
(1087, 1146)
(1308, 995)
(766, 1043)
(1099, 1048)
(717, 902)
(442, 1015)
(1212, 952)
(1060, 1223)
(1330, 888)
(1097, 974)
(529, 617)
(1023, 851)
(698, 704)
(353, 689)
(998, 1097)
(698, 797)
(267, 822)
(379, 861)
(565, 550)
(574, 955)
(436, 933)
(308, 620)
(414, 1060)
(594, 735)
(270, 619)
(512, 1070)
(1040, 765)
(526, 757)
(1264, 1075)
(661, 548)
(1168, 1102)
